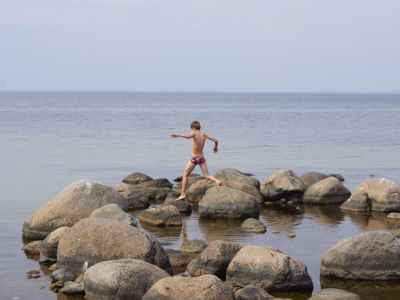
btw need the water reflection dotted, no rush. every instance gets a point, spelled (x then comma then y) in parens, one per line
(325, 215)
(372, 221)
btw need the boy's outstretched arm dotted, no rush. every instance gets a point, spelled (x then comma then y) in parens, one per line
(186, 136)
(211, 138)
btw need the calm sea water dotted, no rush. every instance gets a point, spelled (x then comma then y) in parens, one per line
(48, 140)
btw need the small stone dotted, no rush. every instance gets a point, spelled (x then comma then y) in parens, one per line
(253, 225)
(72, 288)
(33, 272)
(291, 235)
(394, 215)
(275, 231)
(33, 276)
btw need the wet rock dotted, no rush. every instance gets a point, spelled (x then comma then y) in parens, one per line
(93, 240)
(165, 215)
(291, 235)
(334, 294)
(235, 175)
(311, 178)
(327, 191)
(268, 268)
(121, 279)
(374, 194)
(114, 212)
(193, 246)
(373, 255)
(394, 215)
(198, 189)
(245, 187)
(33, 274)
(48, 250)
(74, 203)
(282, 184)
(183, 205)
(72, 288)
(204, 287)
(226, 203)
(252, 292)
(139, 198)
(253, 225)
(136, 178)
(214, 259)
(178, 258)
(62, 274)
(33, 248)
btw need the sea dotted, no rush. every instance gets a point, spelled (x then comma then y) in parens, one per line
(51, 139)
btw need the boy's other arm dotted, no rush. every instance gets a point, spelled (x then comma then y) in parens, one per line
(211, 138)
(185, 136)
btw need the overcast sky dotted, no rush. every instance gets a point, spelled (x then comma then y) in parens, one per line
(203, 45)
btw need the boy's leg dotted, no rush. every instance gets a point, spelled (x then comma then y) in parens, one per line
(188, 169)
(204, 169)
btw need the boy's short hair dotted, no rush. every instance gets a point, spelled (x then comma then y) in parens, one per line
(195, 125)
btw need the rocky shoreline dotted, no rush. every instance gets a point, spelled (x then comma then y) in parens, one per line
(96, 248)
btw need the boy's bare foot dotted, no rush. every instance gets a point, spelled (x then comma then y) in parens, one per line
(181, 197)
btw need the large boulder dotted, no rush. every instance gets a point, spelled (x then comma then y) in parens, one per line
(282, 184)
(310, 178)
(235, 175)
(253, 225)
(374, 194)
(214, 259)
(268, 268)
(121, 279)
(165, 215)
(114, 212)
(136, 178)
(327, 191)
(206, 287)
(373, 255)
(334, 294)
(198, 189)
(245, 187)
(93, 240)
(74, 203)
(226, 203)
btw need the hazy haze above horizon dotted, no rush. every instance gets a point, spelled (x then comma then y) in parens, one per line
(183, 45)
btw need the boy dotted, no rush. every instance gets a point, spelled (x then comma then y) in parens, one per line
(198, 140)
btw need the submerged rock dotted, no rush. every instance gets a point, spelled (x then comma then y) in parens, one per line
(214, 259)
(327, 191)
(374, 194)
(121, 279)
(268, 268)
(114, 212)
(373, 255)
(165, 215)
(204, 287)
(226, 203)
(93, 240)
(235, 175)
(136, 178)
(253, 225)
(74, 203)
(334, 294)
(282, 184)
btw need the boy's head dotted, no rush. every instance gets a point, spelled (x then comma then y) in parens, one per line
(195, 125)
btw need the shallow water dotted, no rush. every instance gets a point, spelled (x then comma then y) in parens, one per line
(49, 140)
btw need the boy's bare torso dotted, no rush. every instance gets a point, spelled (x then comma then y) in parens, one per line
(198, 142)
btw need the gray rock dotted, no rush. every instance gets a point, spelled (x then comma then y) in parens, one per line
(50, 244)
(282, 184)
(193, 246)
(268, 268)
(33, 248)
(374, 194)
(206, 287)
(327, 191)
(183, 205)
(74, 203)
(93, 240)
(198, 189)
(214, 259)
(139, 198)
(236, 175)
(373, 255)
(178, 258)
(245, 187)
(253, 225)
(252, 292)
(311, 178)
(334, 294)
(136, 178)
(165, 215)
(114, 212)
(226, 203)
(72, 288)
(394, 215)
(121, 279)
(63, 274)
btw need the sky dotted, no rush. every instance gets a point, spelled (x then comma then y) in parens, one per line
(289, 46)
